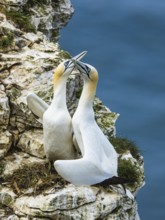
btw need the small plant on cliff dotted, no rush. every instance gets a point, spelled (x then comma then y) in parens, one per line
(123, 144)
(32, 3)
(20, 19)
(128, 170)
(64, 54)
(6, 40)
(37, 176)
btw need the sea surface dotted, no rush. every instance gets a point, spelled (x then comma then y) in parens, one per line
(125, 40)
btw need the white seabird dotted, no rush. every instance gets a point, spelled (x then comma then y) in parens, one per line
(57, 126)
(99, 158)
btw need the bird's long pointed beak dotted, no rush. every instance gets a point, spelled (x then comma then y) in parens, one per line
(70, 64)
(79, 56)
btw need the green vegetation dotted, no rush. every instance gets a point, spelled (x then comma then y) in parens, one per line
(32, 3)
(46, 95)
(6, 40)
(2, 167)
(128, 170)
(123, 144)
(28, 176)
(21, 20)
(37, 176)
(64, 55)
(55, 34)
(98, 106)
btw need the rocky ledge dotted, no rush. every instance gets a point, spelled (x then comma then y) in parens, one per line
(29, 186)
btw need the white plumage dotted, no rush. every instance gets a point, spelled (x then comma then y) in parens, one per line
(57, 125)
(99, 158)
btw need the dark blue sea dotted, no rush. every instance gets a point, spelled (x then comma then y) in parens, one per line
(125, 40)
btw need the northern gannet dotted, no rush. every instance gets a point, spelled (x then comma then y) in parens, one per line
(57, 126)
(99, 159)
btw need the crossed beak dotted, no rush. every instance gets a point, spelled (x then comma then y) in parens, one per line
(80, 55)
(70, 64)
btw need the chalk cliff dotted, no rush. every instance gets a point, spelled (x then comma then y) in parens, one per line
(29, 187)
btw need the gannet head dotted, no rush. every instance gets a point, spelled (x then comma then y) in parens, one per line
(64, 69)
(88, 72)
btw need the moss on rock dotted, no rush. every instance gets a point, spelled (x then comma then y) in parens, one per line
(123, 144)
(128, 170)
(20, 19)
(32, 3)
(64, 54)
(28, 176)
(37, 176)
(6, 39)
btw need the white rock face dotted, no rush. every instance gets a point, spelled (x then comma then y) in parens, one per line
(79, 203)
(4, 109)
(47, 16)
(5, 142)
(32, 142)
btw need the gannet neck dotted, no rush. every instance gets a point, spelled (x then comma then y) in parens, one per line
(58, 75)
(88, 95)
(59, 97)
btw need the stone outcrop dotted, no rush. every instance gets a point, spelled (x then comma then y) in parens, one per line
(47, 16)
(30, 188)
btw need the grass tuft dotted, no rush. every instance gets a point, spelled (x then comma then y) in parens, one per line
(21, 20)
(123, 144)
(128, 170)
(6, 41)
(38, 176)
(32, 3)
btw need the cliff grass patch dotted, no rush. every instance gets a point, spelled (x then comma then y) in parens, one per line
(6, 40)
(128, 170)
(32, 3)
(64, 55)
(123, 145)
(26, 9)
(21, 20)
(39, 177)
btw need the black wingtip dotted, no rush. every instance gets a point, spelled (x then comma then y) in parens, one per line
(114, 181)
